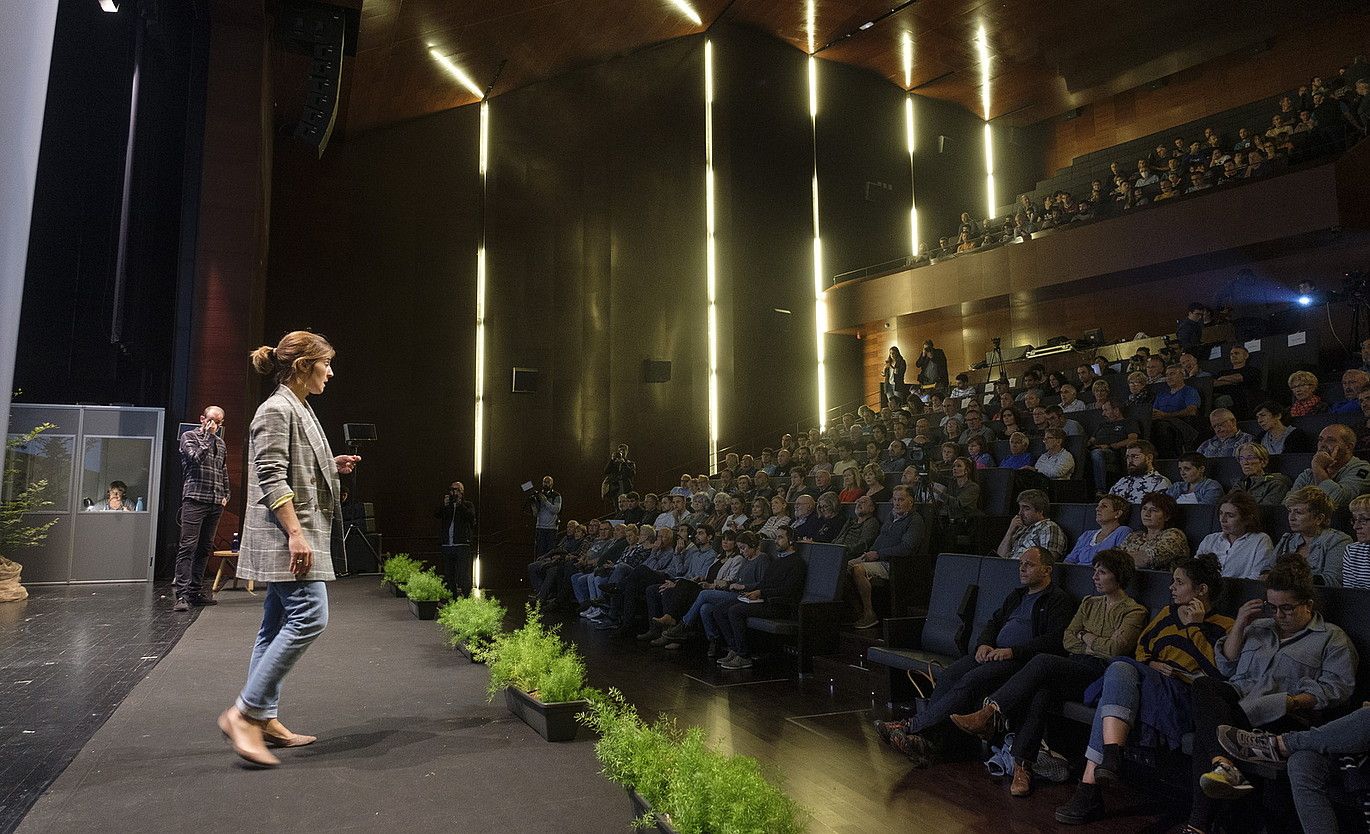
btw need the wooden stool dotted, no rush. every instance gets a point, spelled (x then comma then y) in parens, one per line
(225, 556)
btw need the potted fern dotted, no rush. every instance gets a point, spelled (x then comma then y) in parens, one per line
(397, 570)
(426, 591)
(471, 622)
(677, 782)
(542, 678)
(16, 533)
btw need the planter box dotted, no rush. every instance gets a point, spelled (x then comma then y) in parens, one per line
(662, 822)
(554, 722)
(425, 610)
(395, 590)
(465, 650)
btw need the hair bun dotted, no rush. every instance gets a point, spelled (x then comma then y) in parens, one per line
(264, 360)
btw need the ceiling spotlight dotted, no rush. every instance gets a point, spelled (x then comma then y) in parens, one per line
(1305, 300)
(110, 5)
(462, 78)
(689, 11)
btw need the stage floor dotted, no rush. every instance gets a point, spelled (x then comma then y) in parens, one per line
(409, 743)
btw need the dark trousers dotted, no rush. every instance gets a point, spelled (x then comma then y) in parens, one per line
(1046, 681)
(199, 520)
(1172, 435)
(677, 600)
(634, 591)
(537, 573)
(731, 620)
(544, 539)
(961, 687)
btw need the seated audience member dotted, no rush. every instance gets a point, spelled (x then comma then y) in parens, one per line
(1069, 402)
(737, 515)
(874, 478)
(1104, 626)
(798, 486)
(686, 488)
(1138, 390)
(975, 427)
(1018, 454)
(1242, 549)
(821, 461)
(1109, 514)
(851, 486)
(1363, 430)
(1031, 622)
(1055, 380)
(964, 243)
(1057, 419)
(1237, 385)
(975, 450)
(679, 596)
(1189, 332)
(858, 536)
(1030, 527)
(1055, 462)
(822, 482)
(1282, 663)
(1226, 436)
(1194, 486)
(804, 523)
(1032, 398)
(761, 514)
(1334, 469)
(1353, 382)
(764, 486)
(1312, 757)
(901, 537)
(699, 510)
(1311, 538)
(745, 490)
(1145, 175)
(1190, 363)
(1265, 488)
(1085, 376)
(1355, 566)
(1151, 690)
(777, 595)
(1168, 190)
(1304, 386)
(1155, 370)
(831, 519)
(746, 577)
(1157, 545)
(1141, 478)
(722, 503)
(699, 563)
(1008, 421)
(1173, 414)
(898, 457)
(1198, 181)
(962, 388)
(780, 517)
(947, 453)
(1101, 393)
(958, 499)
(670, 518)
(846, 460)
(1111, 438)
(1275, 436)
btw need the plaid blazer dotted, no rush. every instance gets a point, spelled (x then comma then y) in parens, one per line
(288, 453)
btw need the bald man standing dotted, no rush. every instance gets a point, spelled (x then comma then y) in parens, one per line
(204, 494)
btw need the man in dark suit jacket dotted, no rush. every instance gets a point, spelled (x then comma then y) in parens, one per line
(1031, 621)
(932, 365)
(456, 517)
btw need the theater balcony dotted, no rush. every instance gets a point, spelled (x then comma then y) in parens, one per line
(1308, 210)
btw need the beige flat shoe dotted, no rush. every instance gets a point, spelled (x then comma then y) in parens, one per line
(275, 734)
(245, 737)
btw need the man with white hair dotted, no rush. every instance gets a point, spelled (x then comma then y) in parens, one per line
(1227, 438)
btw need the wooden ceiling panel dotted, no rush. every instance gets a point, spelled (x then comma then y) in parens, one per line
(1045, 58)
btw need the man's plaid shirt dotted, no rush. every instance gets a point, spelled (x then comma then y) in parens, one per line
(204, 464)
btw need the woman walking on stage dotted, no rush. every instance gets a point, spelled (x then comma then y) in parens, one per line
(292, 525)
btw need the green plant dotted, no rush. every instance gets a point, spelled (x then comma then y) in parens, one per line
(536, 660)
(15, 534)
(472, 620)
(398, 568)
(426, 586)
(701, 790)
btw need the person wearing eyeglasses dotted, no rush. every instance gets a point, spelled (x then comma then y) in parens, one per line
(1283, 662)
(1265, 488)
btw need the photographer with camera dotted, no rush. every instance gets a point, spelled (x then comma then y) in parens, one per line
(932, 365)
(618, 475)
(456, 517)
(545, 505)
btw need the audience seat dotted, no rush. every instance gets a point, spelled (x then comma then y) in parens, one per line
(916, 644)
(996, 491)
(814, 629)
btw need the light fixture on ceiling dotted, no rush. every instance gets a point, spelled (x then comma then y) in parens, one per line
(688, 11)
(456, 72)
(982, 44)
(109, 5)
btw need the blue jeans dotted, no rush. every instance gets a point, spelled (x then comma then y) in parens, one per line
(702, 607)
(580, 586)
(1313, 756)
(1121, 697)
(293, 615)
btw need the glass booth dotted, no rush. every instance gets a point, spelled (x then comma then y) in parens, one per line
(102, 466)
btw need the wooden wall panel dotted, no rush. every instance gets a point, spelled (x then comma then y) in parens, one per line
(1296, 55)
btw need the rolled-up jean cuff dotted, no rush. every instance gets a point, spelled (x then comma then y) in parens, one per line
(1096, 756)
(1117, 711)
(255, 713)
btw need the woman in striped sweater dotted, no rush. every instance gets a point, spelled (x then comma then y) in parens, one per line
(1150, 691)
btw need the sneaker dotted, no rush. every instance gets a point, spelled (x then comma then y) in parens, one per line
(182, 604)
(591, 613)
(1250, 746)
(713, 648)
(661, 640)
(910, 744)
(739, 661)
(650, 634)
(1085, 806)
(866, 622)
(1224, 781)
(677, 632)
(886, 729)
(727, 657)
(1111, 768)
(672, 646)
(1052, 767)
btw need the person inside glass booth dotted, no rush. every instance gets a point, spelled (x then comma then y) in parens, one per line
(117, 499)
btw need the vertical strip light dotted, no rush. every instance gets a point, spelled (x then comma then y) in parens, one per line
(479, 432)
(909, 136)
(820, 305)
(710, 251)
(982, 42)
